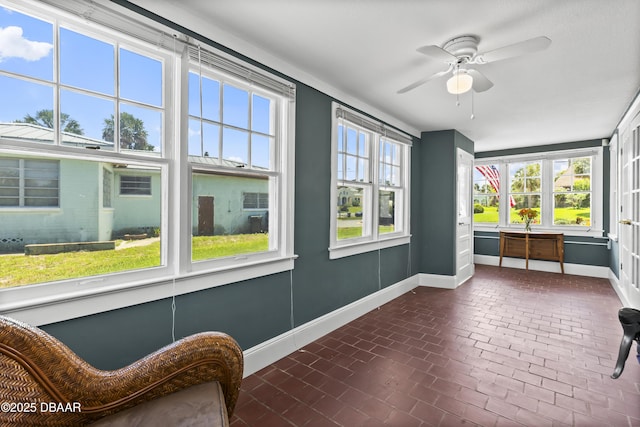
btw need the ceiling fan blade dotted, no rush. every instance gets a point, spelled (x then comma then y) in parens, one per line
(438, 53)
(480, 82)
(423, 81)
(535, 44)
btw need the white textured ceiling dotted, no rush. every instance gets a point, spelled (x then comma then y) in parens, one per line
(363, 52)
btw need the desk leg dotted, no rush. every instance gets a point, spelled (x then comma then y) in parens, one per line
(526, 250)
(560, 249)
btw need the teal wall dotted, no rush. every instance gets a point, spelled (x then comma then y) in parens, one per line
(256, 310)
(436, 184)
(578, 250)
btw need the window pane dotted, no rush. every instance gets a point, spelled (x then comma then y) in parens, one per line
(352, 142)
(29, 115)
(350, 212)
(76, 69)
(211, 99)
(572, 186)
(86, 120)
(532, 185)
(235, 107)
(261, 115)
(27, 46)
(135, 185)
(66, 238)
(387, 202)
(352, 168)
(40, 178)
(260, 151)
(389, 174)
(235, 146)
(208, 145)
(572, 209)
(9, 182)
(485, 209)
(362, 144)
(363, 168)
(221, 225)
(140, 129)
(524, 201)
(140, 78)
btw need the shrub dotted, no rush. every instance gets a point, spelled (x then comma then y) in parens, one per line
(478, 208)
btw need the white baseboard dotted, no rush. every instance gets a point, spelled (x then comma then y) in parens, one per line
(268, 352)
(615, 284)
(437, 281)
(550, 266)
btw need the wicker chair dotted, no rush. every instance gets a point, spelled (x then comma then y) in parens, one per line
(43, 383)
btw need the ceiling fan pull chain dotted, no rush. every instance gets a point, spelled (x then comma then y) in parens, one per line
(472, 98)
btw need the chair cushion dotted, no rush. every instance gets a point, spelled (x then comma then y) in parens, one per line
(199, 405)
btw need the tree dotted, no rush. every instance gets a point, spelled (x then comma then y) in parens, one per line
(133, 135)
(44, 118)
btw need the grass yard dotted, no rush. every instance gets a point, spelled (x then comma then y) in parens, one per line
(351, 232)
(562, 216)
(19, 270)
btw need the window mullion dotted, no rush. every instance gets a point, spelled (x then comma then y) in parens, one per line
(374, 170)
(546, 176)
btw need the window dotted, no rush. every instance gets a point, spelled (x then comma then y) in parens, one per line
(90, 150)
(572, 191)
(563, 187)
(26, 182)
(255, 201)
(524, 188)
(486, 193)
(132, 185)
(107, 183)
(235, 139)
(370, 183)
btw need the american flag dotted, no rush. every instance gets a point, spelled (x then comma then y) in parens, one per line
(492, 174)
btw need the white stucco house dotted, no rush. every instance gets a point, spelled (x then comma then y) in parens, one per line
(62, 200)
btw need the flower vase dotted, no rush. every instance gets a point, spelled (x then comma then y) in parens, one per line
(527, 225)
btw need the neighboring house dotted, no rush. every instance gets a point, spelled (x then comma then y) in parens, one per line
(57, 201)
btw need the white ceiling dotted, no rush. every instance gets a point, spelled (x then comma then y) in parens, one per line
(362, 52)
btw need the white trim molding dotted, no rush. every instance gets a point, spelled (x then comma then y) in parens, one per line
(549, 266)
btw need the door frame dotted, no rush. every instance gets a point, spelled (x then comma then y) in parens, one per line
(465, 267)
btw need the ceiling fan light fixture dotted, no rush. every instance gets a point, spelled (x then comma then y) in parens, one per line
(459, 83)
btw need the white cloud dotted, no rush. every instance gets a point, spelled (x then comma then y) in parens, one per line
(14, 45)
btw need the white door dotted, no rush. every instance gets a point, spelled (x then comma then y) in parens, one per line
(630, 214)
(464, 228)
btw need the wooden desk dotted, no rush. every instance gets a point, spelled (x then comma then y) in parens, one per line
(544, 246)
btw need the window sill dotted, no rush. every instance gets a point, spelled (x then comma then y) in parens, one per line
(568, 231)
(77, 298)
(359, 248)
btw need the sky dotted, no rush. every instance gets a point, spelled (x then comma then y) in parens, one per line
(87, 70)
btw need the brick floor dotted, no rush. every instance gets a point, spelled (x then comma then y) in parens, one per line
(507, 348)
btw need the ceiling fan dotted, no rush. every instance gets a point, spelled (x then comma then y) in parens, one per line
(461, 52)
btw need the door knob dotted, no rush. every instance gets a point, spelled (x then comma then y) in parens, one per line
(625, 221)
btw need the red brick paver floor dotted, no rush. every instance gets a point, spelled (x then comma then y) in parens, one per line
(508, 348)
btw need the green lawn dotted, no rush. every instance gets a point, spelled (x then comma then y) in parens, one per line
(18, 270)
(351, 232)
(562, 216)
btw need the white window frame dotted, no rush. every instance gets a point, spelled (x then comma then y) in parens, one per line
(596, 228)
(614, 177)
(371, 240)
(62, 300)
